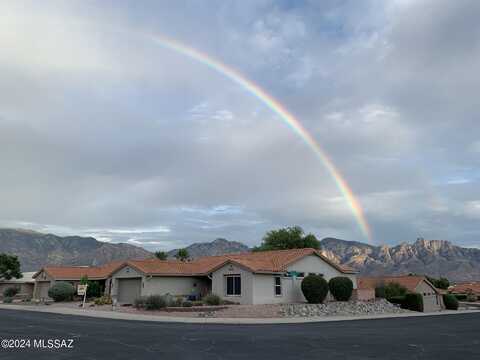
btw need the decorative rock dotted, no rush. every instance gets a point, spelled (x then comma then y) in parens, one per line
(379, 306)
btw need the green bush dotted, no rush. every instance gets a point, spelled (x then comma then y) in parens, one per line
(187, 304)
(460, 297)
(450, 301)
(139, 303)
(94, 289)
(341, 288)
(197, 303)
(414, 302)
(61, 291)
(399, 300)
(10, 292)
(155, 302)
(314, 288)
(7, 300)
(394, 289)
(380, 292)
(212, 299)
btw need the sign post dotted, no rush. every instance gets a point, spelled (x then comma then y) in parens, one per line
(82, 290)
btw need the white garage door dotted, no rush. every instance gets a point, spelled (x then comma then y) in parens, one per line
(42, 289)
(129, 290)
(430, 303)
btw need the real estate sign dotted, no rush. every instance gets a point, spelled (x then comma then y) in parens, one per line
(82, 290)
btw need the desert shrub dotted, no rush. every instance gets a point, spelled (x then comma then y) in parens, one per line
(341, 288)
(178, 302)
(314, 288)
(187, 304)
(7, 300)
(471, 298)
(61, 291)
(103, 300)
(155, 302)
(413, 301)
(139, 303)
(394, 289)
(94, 289)
(460, 297)
(197, 303)
(10, 292)
(212, 299)
(450, 301)
(380, 292)
(399, 300)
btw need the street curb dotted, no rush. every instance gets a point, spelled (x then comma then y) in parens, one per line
(233, 321)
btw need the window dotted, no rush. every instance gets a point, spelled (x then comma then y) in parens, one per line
(278, 286)
(234, 285)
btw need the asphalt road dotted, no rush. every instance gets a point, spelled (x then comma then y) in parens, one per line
(435, 337)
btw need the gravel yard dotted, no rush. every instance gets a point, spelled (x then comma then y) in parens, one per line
(349, 308)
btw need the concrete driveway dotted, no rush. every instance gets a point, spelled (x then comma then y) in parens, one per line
(435, 337)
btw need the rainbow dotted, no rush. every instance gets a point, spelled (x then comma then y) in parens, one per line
(278, 109)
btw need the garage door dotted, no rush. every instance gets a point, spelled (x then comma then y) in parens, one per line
(129, 290)
(430, 303)
(42, 289)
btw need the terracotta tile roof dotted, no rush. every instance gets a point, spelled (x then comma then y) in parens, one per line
(77, 272)
(264, 261)
(408, 281)
(465, 288)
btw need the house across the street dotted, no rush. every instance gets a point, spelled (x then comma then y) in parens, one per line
(250, 278)
(24, 285)
(432, 298)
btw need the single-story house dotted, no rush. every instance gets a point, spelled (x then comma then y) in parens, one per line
(24, 285)
(47, 276)
(470, 288)
(432, 298)
(249, 278)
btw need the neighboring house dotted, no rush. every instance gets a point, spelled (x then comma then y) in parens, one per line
(47, 276)
(471, 288)
(250, 278)
(432, 298)
(24, 285)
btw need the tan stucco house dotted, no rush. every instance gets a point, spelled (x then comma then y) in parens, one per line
(249, 278)
(432, 298)
(24, 285)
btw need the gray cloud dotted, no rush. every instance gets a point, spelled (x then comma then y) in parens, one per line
(104, 133)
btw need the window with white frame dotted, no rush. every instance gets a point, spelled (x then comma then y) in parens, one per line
(278, 286)
(233, 285)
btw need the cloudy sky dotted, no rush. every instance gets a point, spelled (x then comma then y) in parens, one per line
(103, 132)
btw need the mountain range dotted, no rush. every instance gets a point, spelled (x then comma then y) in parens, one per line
(35, 249)
(430, 257)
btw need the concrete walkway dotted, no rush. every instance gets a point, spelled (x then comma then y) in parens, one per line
(171, 319)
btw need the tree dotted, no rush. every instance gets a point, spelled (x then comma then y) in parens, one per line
(182, 255)
(161, 255)
(288, 238)
(9, 267)
(441, 283)
(94, 289)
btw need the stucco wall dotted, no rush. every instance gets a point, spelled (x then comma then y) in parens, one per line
(41, 287)
(219, 283)
(126, 272)
(264, 290)
(178, 285)
(259, 288)
(431, 302)
(313, 263)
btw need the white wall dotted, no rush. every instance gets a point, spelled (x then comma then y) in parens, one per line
(313, 263)
(219, 283)
(175, 285)
(264, 291)
(125, 273)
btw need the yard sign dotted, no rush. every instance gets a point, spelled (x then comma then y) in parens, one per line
(82, 290)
